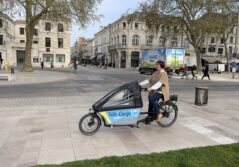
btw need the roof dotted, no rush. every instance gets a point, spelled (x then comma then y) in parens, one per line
(20, 21)
(213, 59)
(6, 16)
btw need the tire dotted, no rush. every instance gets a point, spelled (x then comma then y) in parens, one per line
(84, 124)
(170, 108)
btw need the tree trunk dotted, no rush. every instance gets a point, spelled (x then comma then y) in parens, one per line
(28, 50)
(228, 58)
(199, 61)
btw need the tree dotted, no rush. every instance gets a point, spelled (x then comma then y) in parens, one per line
(223, 25)
(80, 11)
(186, 13)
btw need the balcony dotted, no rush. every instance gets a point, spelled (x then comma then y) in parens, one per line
(117, 46)
(144, 46)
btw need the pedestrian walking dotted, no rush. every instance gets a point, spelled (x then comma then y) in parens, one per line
(52, 65)
(42, 65)
(206, 72)
(2, 64)
(75, 66)
(193, 72)
(6, 64)
(185, 72)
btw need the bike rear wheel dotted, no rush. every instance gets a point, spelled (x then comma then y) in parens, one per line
(170, 114)
(89, 124)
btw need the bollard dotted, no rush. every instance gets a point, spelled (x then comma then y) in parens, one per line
(201, 96)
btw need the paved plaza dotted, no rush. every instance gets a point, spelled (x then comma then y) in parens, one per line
(39, 122)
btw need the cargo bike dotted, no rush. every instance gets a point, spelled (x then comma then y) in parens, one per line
(122, 107)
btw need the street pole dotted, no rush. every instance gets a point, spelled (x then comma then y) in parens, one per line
(236, 46)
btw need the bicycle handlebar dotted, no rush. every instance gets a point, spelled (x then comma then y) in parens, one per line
(146, 89)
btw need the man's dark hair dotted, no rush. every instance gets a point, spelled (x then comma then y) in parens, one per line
(161, 63)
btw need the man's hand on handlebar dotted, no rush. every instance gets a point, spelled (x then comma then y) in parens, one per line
(145, 89)
(149, 90)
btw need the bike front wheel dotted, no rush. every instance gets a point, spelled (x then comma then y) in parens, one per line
(170, 114)
(89, 124)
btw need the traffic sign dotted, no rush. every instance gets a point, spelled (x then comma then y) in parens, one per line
(234, 55)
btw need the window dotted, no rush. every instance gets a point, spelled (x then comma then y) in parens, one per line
(22, 41)
(231, 39)
(124, 40)
(47, 26)
(124, 24)
(35, 60)
(35, 32)
(222, 41)
(230, 50)
(174, 42)
(203, 50)
(220, 50)
(135, 40)
(1, 39)
(48, 58)
(136, 25)
(162, 28)
(149, 41)
(175, 29)
(35, 42)
(162, 41)
(60, 58)
(1, 23)
(60, 42)
(60, 27)
(22, 30)
(48, 42)
(212, 49)
(212, 39)
(118, 40)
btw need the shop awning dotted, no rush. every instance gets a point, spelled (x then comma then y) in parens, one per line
(211, 59)
(100, 56)
(92, 57)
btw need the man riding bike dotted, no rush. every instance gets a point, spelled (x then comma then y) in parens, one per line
(158, 89)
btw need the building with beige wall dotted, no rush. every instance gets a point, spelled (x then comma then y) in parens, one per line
(102, 42)
(127, 40)
(51, 42)
(7, 32)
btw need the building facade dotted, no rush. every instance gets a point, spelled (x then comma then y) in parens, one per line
(213, 47)
(90, 51)
(102, 42)
(51, 42)
(7, 33)
(125, 42)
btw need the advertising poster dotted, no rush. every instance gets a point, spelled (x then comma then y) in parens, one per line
(150, 57)
(175, 57)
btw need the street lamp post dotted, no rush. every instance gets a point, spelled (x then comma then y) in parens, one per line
(234, 56)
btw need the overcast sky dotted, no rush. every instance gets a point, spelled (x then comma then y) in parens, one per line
(111, 11)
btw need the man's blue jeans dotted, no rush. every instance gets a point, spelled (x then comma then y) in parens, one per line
(153, 104)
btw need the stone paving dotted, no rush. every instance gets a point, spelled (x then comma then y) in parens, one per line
(36, 77)
(43, 129)
(47, 132)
